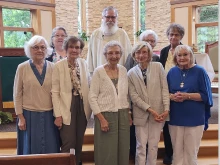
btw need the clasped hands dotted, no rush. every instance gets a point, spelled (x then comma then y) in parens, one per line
(158, 117)
(178, 96)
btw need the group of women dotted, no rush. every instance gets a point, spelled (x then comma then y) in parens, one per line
(54, 101)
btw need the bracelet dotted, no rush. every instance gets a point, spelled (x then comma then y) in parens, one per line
(189, 96)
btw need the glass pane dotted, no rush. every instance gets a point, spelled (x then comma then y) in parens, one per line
(16, 38)
(206, 34)
(16, 18)
(208, 13)
(142, 14)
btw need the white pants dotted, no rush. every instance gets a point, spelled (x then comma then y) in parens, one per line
(147, 134)
(186, 142)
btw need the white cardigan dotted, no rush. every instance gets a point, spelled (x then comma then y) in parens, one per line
(103, 96)
(156, 95)
(62, 89)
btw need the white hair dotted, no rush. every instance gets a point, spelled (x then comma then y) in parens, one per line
(109, 8)
(33, 41)
(148, 32)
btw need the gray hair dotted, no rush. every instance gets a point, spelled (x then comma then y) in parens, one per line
(148, 32)
(109, 8)
(188, 49)
(54, 32)
(111, 44)
(32, 42)
(139, 45)
(177, 27)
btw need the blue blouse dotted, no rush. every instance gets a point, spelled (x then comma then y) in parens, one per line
(189, 112)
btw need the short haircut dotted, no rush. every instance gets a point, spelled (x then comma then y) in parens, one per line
(54, 32)
(175, 26)
(139, 45)
(72, 40)
(148, 32)
(188, 49)
(32, 42)
(110, 8)
(111, 44)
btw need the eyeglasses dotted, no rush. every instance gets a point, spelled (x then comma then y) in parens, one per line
(174, 34)
(112, 53)
(110, 17)
(150, 41)
(58, 36)
(36, 48)
(74, 47)
(143, 52)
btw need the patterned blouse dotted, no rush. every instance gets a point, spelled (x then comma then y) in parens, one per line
(75, 79)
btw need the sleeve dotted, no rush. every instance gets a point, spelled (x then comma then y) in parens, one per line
(94, 92)
(127, 47)
(206, 95)
(89, 57)
(129, 62)
(18, 90)
(56, 91)
(165, 91)
(135, 98)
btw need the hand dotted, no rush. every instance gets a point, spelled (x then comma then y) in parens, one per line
(22, 123)
(59, 122)
(104, 125)
(180, 96)
(155, 114)
(164, 115)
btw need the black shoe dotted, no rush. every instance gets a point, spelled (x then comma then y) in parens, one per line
(167, 160)
(80, 163)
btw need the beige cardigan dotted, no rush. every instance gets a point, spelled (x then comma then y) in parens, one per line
(156, 95)
(62, 89)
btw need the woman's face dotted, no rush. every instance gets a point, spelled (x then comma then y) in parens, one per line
(174, 37)
(183, 58)
(151, 40)
(38, 51)
(142, 55)
(58, 38)
(113, 55)
(73, 50)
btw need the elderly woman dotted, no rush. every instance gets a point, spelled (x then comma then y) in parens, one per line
(56, 42)
(148, 36)
(175, 33)
(150, 97)
(36, 132)
(191, 99)
(70, 88)
(108, 98)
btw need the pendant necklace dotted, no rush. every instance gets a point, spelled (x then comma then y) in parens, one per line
(183, 76)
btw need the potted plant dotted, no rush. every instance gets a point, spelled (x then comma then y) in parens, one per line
(84, 36)
(5, 117)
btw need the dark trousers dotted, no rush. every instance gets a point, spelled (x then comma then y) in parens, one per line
(167, 140)
(72, 135)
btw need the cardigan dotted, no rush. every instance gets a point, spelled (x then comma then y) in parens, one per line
(103, 96)
(155, 95)
(28, 93)
(62, 89)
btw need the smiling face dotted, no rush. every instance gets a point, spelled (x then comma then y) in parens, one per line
(58, 38)
(38, 51)
(73, 50)
(113, 55)
(142, 55)
(183, 58)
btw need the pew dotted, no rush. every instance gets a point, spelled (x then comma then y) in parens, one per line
(39, 159)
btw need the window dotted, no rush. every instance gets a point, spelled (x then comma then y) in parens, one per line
(16, 27)
(142, 14)
(206, 25)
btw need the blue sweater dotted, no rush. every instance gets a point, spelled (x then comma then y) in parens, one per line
(189, 112)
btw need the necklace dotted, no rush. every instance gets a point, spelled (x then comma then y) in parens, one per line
(114, 78)
(183, 76)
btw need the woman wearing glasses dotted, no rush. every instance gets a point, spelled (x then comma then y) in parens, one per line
(70, 88)
(108, 98)
(36, 132)
(149, 94)
(56, 42)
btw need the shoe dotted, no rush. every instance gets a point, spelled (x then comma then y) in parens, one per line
(80, 163)
(167, 160)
